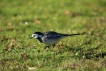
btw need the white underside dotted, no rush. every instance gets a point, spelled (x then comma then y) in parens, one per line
(51, 41)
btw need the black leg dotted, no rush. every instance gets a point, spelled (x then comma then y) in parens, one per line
(53, 45)
(47, 47)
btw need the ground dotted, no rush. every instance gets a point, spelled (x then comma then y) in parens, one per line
(19, 19)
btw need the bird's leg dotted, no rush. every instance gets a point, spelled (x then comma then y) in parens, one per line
(53, 45)
(47, 46)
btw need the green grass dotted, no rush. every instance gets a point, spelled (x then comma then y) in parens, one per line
(19, 19)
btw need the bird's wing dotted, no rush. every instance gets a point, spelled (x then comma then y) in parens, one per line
(52, 35)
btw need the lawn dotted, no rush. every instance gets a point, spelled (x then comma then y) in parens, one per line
(19, 19)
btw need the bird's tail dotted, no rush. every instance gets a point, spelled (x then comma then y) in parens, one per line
(74, 34)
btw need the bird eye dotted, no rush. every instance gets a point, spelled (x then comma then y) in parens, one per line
(35, 35)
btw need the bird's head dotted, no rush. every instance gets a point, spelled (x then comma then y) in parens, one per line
(37, 35)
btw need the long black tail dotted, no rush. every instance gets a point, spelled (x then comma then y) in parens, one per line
(74, 34)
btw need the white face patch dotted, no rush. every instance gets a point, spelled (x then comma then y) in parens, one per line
(35, 35)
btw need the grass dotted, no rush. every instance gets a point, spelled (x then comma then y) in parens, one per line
(19, 19)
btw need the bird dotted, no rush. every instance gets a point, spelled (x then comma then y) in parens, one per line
(50, 38)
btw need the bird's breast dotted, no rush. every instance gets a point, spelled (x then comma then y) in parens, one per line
(50, 41)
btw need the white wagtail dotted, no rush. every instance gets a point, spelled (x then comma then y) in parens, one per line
(50, 37)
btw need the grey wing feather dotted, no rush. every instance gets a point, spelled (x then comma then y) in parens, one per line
(52, 35)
